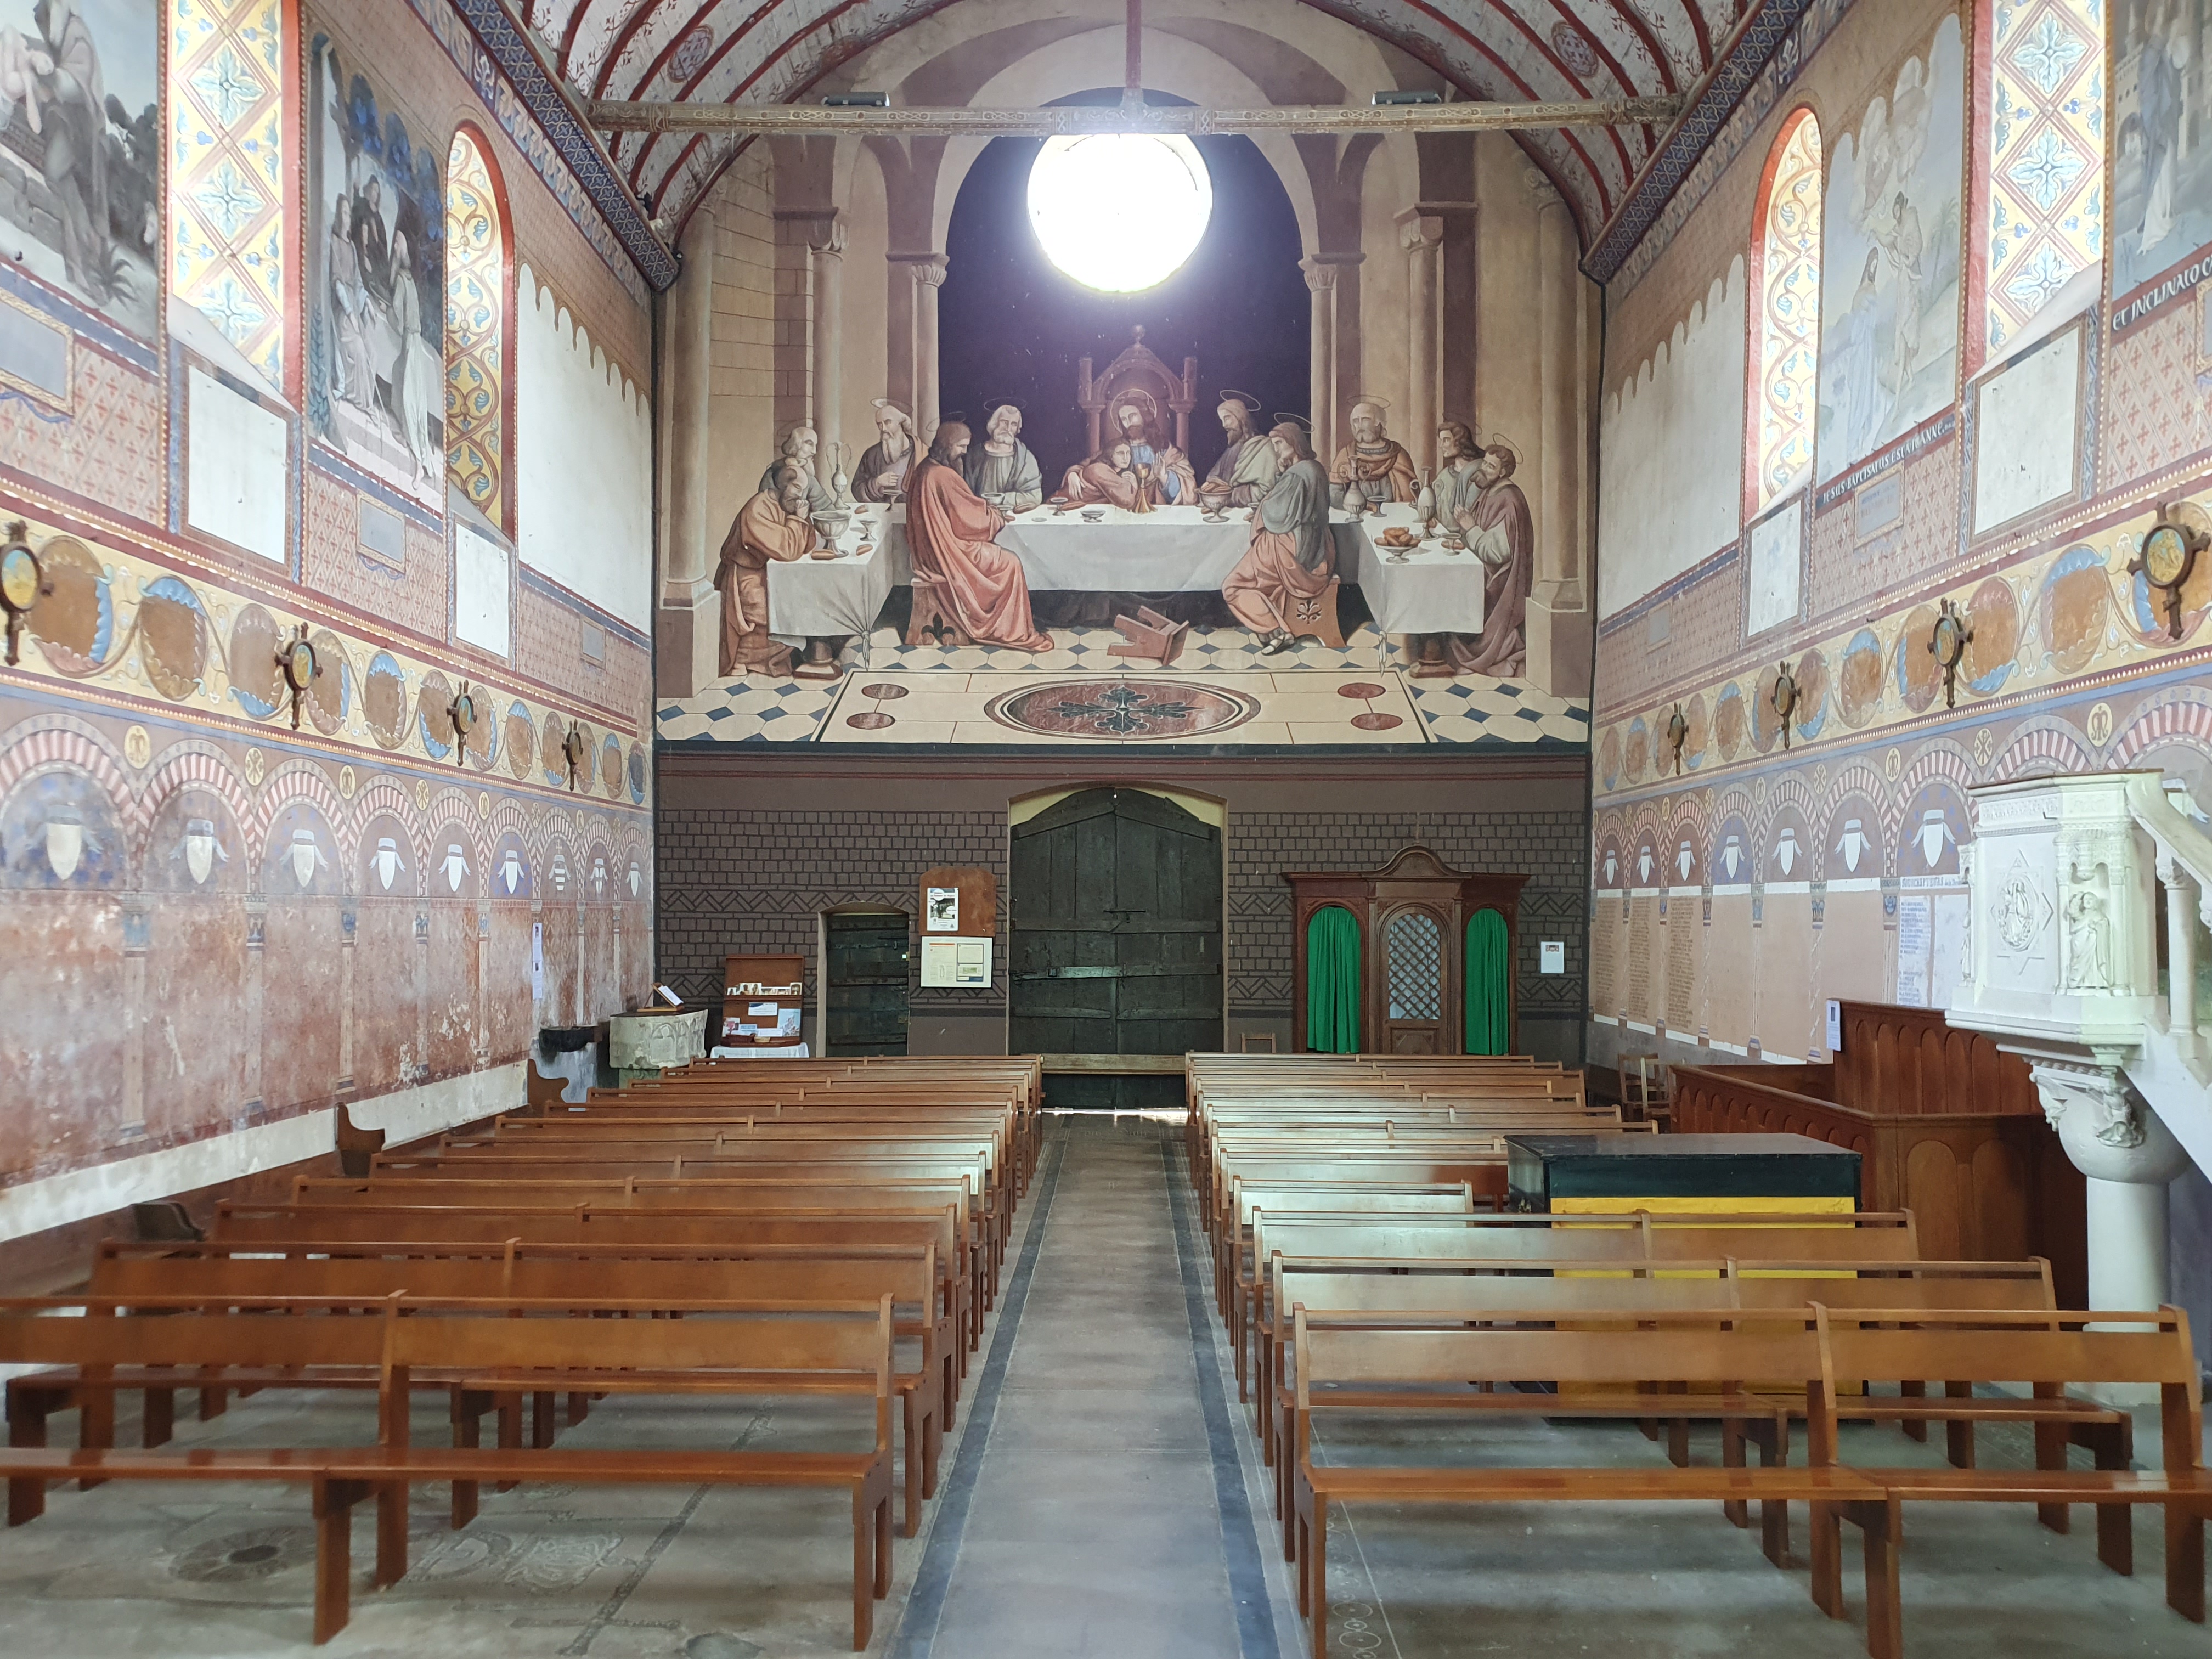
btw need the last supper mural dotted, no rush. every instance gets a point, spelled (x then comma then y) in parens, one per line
(1130, 440)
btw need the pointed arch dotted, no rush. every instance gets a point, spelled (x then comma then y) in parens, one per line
(479, 328)
(1784, 296)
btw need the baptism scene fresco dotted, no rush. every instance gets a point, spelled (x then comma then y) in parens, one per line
(1094, 486)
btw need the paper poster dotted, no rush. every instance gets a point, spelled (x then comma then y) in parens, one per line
(1914, 939)
(787, 1023)
(538, 961)
(756, 1009)
(943, 913)
(956, 962)
(1552, 956)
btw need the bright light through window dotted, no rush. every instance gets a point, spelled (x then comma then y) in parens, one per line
(1121, 211)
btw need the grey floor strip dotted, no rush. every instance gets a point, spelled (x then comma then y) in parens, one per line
(925, 1607)
(1240, 1539)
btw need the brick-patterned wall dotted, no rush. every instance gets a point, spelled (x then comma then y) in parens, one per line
(756, 879)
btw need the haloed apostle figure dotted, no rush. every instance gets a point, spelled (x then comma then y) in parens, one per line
(1500, 532)
(772, 525)
(1000, 469)
(1248, 467)
(1113, 480)
(884, 463)
(1378, 461)
(1292, 554)
(1459, 463)
(1166, 469)
(800, 444)
(949, 531)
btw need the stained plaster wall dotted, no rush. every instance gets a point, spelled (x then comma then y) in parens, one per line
(1703, 943)
(214, 927)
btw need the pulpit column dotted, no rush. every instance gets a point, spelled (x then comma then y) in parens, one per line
(686, 659)
(1321, 279)
(828, 249)
(928, 278)
(1422, 236)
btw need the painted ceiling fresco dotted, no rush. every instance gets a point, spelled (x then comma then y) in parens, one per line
(745, 51)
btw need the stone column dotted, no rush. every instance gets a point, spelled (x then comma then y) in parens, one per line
(686, 656)
(1422, 236)
(2182, 900)
(928, 278)
(2128, 1155)
(828, 249)
(1558, 622)
(1321, 279)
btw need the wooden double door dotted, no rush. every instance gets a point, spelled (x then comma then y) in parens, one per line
(1115, 931)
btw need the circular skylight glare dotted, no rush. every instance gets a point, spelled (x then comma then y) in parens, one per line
(1119, 211)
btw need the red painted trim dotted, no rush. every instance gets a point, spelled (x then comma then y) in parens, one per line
(567, 48)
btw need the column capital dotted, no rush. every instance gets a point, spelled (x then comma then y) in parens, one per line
(830, 237)
(927, 267)
(1419, 230)
(1541, 188)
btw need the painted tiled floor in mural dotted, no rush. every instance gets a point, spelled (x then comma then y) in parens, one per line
(1302, 694)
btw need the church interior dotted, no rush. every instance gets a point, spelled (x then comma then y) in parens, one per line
(673, 897)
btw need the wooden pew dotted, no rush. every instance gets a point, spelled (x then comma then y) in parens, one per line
(2051, 1353)
(749, 1349)
(843, 1220)
(1707, 1351)
(218, 1274)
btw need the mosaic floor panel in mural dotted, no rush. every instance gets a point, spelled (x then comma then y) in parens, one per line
(894, 693)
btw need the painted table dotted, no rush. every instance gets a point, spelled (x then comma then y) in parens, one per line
(1428, 589)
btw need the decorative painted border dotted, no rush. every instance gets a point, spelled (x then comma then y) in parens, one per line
(499, 62)
(1757, 66)
(122, 684)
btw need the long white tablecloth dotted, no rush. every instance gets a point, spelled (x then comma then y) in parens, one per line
(1426, 590)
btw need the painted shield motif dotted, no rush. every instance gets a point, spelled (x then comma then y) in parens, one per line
(306, 857)
(387, 863)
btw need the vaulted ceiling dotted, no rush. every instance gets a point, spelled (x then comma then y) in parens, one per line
(778, 51)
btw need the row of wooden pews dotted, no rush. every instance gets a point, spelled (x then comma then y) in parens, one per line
(825, 1231)
(1364, 1271)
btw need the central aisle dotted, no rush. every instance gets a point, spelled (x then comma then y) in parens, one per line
(1105, 1510)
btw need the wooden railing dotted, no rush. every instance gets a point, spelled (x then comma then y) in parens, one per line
(1945, 1126)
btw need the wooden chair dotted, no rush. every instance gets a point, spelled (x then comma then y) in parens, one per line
(935, 621)
(1647, 1088)
(1317, 615)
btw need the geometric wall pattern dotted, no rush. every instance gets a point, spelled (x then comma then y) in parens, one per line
(2046, 149)
(226, 172)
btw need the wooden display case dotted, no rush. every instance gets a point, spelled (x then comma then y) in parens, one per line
(751, 980)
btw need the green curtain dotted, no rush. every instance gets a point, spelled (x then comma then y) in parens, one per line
(1489, 993)
(1333, 981)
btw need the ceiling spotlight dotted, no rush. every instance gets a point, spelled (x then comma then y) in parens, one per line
(1404, 96)
(858, 100)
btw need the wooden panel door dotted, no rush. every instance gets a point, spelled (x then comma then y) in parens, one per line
(865, 963)
(1117, 939)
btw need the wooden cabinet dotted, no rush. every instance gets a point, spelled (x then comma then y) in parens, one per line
(1413, 914)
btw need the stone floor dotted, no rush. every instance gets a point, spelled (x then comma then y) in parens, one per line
(1101, 1497)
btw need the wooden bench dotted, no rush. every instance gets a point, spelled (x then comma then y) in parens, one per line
(741, 1350)
(2049, 1354)
(217, 1275)
(1708, 1350)
(360, 1224)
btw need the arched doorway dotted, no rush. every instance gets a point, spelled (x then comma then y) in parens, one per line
(1114, 927)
